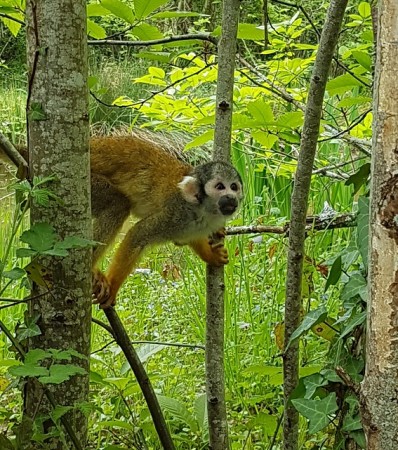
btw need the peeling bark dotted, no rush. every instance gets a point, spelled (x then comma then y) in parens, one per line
(379, 393)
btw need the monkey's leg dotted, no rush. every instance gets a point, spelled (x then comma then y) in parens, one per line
(125, 259)
(213, 254)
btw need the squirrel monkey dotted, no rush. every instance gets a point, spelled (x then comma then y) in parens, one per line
(173, 200)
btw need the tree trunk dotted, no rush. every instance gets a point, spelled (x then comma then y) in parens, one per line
(379, 398)
(302, 183)
(58, 134)
(215, 382)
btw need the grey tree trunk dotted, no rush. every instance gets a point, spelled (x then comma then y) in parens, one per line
(58, 135)
(302, 183)
(379, 389)
(215, 382)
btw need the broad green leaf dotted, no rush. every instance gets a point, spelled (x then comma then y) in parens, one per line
(92, 81)
(359, 178)
(28, 370)
(356, 320)
(119, 424)
(145, 351)
(29, 330)
(36, 112)
(356, 285)
(36, 355)
(247, 31)
(178, 411)
(59, 411)
(364, 10)
(293, 119)
(75, 242)
(261, 111)
(146, 32)
(363, 229)
(312, 318)
(267, 422)
(352, 423)
(96, 10)
(352, 101)
(200, 409)
(14, 274)
(267, 140)
(40, 237)
(342, 84)
(119, 382)
(201, 140)
(12, 25)
(174, 14)
(94, 30)
(119, 9)
(312, 383)
(163, 57)
(359, 438)
(363, 59)
(61, 372)
(334, 274)
(317, 411)
(144, 7)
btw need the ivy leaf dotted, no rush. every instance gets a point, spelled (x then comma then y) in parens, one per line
(36, 112)
(312, 318)
(317, 411)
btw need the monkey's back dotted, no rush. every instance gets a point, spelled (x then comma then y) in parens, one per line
(142, 171)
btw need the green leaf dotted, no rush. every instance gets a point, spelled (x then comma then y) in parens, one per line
(317, 411)
(145, 351)
(163, 57)
(36, 112)
(261, 111)
(250, 31)
(342, 84)
(95, 9)
(312, 318)
(144, 7)
(40, 237)
(117, 423)
(364, 10)
(14, 274)
(94, 30)
(200, 140)
(146, 32)
(312, 383)
(363, 229)
(12, 25)
(176, 14)
(59, 411)
(200, 409)
(356, 320)
(267, 422)
(293, 119)
(28, 370)
(61, 372)
(178, 410)
(267, 140)
(356, 285)
(25, 253)
(335, 273)
(36, 355)
(359, 438)
(119, 9)
(353, 101)
(352, 423)
(363, 59)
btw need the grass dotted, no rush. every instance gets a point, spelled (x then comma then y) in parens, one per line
(166, 301)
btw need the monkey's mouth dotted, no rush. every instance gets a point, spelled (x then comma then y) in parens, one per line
(228, 210)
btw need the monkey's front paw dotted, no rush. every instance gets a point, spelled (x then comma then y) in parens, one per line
(219, 254)
(102, 290)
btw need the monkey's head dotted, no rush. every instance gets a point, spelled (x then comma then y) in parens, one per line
(216, 185)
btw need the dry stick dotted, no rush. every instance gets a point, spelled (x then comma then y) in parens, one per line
(215, 382)
(313, 113)
(123, 340)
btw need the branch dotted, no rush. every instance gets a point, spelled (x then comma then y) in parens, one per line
(121, 337)
(182, 37)
(13, 154)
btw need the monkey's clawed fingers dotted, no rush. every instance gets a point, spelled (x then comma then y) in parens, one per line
(220, 254)
(102, 290)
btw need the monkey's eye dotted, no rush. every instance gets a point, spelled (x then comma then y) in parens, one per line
(220, 186)
(234, 187)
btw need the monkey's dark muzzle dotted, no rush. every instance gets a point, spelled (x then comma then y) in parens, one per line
(228, 205)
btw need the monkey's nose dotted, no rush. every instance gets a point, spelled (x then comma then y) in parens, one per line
(227, 205)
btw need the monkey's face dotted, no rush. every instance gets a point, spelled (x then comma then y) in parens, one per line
(223, 195)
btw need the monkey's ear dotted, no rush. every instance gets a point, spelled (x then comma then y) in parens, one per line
(189, 187)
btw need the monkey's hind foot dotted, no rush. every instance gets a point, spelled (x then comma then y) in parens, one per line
(102, 290)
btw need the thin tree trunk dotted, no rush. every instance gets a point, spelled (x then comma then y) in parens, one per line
(215, 383)
(300, 194)
(379, 405)
(58, 135)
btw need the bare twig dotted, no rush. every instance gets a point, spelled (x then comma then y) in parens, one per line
(183, 37)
